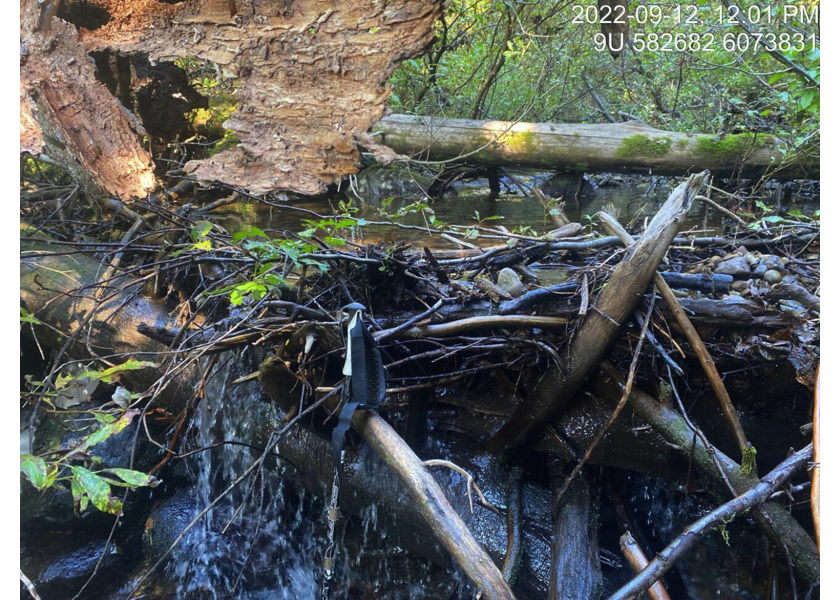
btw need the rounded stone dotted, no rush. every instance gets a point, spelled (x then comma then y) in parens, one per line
(772, 276)
(761, 269)
(509, 281)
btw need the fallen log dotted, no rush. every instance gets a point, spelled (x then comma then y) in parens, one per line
(575, 565)
(602, 324)
(706, 361)
(367, 481)
(429, 500)
(61, 292)
(630, 147)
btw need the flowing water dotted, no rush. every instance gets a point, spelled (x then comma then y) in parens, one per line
(259, 540)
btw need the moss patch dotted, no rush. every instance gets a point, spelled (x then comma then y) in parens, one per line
(682, 144)
(640, 145)
(729, 148)
(520, 141)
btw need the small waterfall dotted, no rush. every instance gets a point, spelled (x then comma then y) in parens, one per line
(257, 542)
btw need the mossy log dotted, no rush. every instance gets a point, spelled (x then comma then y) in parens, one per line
(630, 147)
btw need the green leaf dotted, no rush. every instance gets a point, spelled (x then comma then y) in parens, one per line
(26, 317)
(106, 431)
(105, 418)
(252, 232)
(134, 478)
(201, 229)
(98, 490)
(79, 499)
(112, 375)
(35, 469)
(205, 245)
(806, 99)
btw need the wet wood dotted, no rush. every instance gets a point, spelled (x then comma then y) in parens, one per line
(774, 520)
(368, 481)
(609, 312)
(630, 147)
(638, 561)
(695, 532)
(433, 505)
(815, 472)
(575, 562)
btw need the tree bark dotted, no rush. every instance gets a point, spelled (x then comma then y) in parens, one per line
(68, 115)
(630, 147)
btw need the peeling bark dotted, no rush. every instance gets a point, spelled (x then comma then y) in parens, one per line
(67, 114)
(313, 75)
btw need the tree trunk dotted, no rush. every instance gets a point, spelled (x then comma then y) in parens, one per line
(630, 147)
(313, 79)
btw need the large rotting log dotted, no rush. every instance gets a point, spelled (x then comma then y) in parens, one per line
(312, 77)
(60, 291)
(602, 324)
(69, 116)
(629, 147)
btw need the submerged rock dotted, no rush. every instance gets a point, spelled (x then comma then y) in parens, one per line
(772, 276)
(166, 521)
(59, 564)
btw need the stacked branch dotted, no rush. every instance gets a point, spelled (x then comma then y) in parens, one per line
(455, 330)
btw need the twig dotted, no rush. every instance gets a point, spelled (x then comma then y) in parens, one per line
(30, 587)
(381, 336)
(484, 322)
(638, 561)
(725, 211)
(469, 481)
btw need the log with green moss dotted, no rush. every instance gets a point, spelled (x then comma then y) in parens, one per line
(629, 147)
